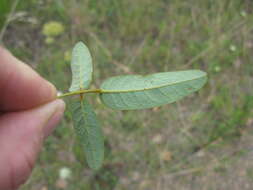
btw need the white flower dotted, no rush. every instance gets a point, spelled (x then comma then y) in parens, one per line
(64, 173)
(232, 48)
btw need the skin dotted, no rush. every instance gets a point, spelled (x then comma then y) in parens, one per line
(29, 112)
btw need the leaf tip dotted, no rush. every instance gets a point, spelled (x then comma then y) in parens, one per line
(82, 45)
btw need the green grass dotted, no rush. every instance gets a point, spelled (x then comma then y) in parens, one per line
(205, 133)
(4, 10)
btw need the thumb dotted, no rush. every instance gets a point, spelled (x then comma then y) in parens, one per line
(21, 137)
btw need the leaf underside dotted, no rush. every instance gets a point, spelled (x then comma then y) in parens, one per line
(130, 92)
(88, 131)
(81, 67)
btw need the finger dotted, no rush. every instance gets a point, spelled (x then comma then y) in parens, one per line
(20, 86)
(21, 136)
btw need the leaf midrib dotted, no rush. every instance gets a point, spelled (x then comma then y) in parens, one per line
(79, 67)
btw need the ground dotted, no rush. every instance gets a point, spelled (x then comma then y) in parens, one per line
(204, 141)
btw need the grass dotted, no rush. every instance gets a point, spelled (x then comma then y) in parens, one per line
(201, 142)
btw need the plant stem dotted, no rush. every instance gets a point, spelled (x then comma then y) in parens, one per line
(80, 92)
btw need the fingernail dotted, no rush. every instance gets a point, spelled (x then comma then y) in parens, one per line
(55, 118)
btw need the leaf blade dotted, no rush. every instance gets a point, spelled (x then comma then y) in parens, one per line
(81, 67)
(132, 92)
(89, 132)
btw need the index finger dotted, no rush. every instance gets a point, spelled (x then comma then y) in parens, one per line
(20, 86)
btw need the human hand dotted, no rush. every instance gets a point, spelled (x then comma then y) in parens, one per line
(28, 114)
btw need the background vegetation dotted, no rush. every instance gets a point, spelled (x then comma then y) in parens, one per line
(202, 142)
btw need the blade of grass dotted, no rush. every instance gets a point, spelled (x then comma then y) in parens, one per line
(7, 22)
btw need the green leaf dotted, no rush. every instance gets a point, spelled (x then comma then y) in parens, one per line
(131, 92)
(89, 132)
(81, 66)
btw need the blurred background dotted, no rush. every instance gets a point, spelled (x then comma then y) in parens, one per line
(204, 141)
